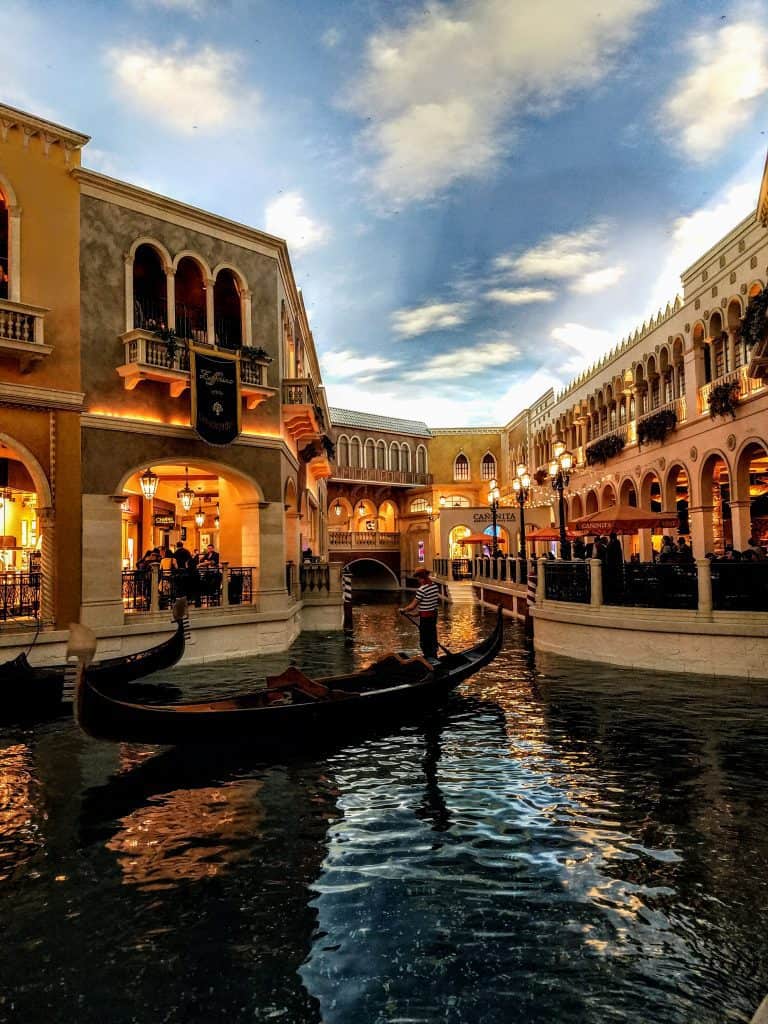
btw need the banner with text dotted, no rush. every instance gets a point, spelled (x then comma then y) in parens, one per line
(215, 387)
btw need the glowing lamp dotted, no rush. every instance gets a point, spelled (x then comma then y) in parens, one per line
(149, 482)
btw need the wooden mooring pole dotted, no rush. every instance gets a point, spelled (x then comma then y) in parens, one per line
(346, 593)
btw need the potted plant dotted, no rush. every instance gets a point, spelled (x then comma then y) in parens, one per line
(723, 398)
(604, 449)
(656, 427)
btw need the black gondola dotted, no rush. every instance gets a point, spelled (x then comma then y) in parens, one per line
(293, 709)
(39, 692)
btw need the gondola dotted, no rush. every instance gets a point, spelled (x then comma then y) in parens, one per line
(293, 709)
(40, 692)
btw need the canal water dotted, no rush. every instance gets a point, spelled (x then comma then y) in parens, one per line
(561, 843)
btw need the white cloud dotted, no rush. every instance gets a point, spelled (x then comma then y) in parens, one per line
(694, 234)
(186, 91)
(409, 323)
(559, 256)
(598, 280)
(716, 98)
(439, 90)
(520, 296)
(286, 218)
(467, 361)
(331, 38)
(581, 346)
(345, 364)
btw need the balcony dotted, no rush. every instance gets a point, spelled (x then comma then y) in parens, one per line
(302, 414)
(22, 334)
(397, 477)
(147, 357)
(353, 540)
(747, 386)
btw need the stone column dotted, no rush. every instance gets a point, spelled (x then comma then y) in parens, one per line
(272, 591)
(645, 545)
(741, 523)
(170, 290)
(694, 379)
(704, 576)
(209, 312)
(46, 525)
(595, 582)
(102, 602)
(702, 534)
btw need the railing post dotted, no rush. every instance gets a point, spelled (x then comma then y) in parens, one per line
(540, 582)
(225, 586)
(154, 588)
(704, 578)
(595, 582)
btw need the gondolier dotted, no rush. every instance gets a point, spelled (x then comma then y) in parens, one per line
(425, 602)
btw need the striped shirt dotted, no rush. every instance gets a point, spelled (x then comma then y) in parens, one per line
(427, 596)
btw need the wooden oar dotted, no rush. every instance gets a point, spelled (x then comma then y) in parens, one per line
(416, 622)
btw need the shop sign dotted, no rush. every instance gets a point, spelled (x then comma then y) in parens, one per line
(164, 519)
(502, 516)
(216, 406)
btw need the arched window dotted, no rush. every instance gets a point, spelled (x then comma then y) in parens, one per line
(355, 453)
(394, 456)
(5, 267)
(405, 458)
(421, 460)
(370, 454)
(191, 311)
(381, 455)
(227, 310)
(487, 467)
(461, 467)
(455, 501)
(342, 451)
(418, 505)
(150, 289)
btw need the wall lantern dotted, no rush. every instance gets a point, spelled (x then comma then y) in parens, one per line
(217, 517)
(149, 482)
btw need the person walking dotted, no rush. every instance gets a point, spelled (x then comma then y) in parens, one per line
(425, 602)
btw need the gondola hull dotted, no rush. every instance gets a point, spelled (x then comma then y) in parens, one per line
(30, 692)
(392, 690)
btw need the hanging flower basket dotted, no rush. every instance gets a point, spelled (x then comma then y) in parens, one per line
(723, 399)
(604, 449)
(656, 427)
(167, 335)
(754, 323)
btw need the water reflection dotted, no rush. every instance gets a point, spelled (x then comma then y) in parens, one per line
(560, 842)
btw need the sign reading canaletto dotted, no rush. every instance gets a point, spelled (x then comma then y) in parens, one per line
(216, 407)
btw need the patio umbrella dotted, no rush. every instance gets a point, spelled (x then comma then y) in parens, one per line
(480, 538)
(624, 519)
(549, 533)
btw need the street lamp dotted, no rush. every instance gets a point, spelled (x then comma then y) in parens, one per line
(560, 471)
(521, 485)
(493, 500)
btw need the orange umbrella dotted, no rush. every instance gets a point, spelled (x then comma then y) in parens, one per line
(549, 533)
(480, 538)
(624, 519)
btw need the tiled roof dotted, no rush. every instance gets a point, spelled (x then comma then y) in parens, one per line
(369, 421)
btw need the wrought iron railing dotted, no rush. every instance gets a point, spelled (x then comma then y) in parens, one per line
(150, 313)
(228, 331)
(740, 586)
(240, 584)
(461, 568)
(20, 595)
(567, 581)
(137, 590)
(191, 323)
(651, 585)
(385, 476)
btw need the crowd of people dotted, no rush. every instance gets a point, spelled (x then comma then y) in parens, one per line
(183, 572)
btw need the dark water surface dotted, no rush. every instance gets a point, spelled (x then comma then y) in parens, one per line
(562, 843)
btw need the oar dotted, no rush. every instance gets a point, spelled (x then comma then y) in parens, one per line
(416, 622)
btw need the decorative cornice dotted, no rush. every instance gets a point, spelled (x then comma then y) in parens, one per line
(31, 125)
(465, 430)
(41, 398)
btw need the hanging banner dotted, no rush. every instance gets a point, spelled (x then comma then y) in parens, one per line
(215, 387)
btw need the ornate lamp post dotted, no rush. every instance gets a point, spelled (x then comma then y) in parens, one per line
(521, 485)
(560, 471)
(493, 501)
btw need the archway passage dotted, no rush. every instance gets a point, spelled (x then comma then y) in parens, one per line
(191, 310)
(678, 496)
(228, 323)
(457, 548)
(372, 574)
(750, 500)
(716, 503)
(213, 514)
(150, 290)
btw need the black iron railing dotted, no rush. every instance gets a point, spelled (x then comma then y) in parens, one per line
(740, 586)
(228, 331)
(150, 312)
(567, 581)
(137, 590)
(240, 584)
(20, 595)
(191, 323)
(461, 568)
(651, 585)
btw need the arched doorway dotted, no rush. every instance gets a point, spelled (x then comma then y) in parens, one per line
(502, 538)
(608, 497)
(591, 503)
(628, 494)
(191, 309)
(388, 517)
(457, 546)
(677, 495)
(715, 501)
(365, 518)
(749, 506)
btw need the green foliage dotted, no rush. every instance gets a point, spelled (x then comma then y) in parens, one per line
(656, 427)
(723, 399)
(754, 323)
(604, 449)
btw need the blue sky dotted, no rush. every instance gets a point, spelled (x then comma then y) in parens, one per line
(480, 197)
